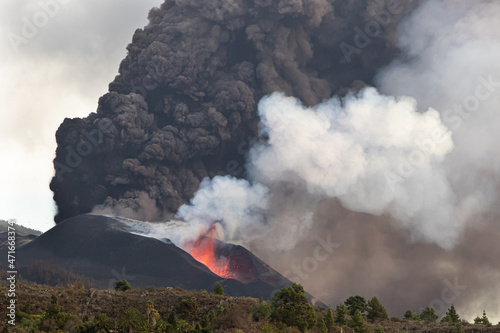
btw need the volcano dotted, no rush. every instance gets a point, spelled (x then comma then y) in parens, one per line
(101, 250)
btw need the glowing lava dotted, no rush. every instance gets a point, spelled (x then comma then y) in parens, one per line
(203, 250)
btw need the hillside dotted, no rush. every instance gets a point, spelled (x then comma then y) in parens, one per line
(20, 230)
(85, 307)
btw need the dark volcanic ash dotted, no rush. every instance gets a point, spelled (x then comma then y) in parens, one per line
(186, 95)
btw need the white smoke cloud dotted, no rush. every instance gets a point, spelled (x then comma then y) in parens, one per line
(420, 158)
(237, 204)
(375, 153)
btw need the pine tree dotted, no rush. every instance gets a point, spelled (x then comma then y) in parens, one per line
(354, 303)
(379, 329)
(482, 321)
(376, 311)
(446, 319)
(322, 326)
(341, 311)
(408, 315)
(218, 290)
(453, 315)
(357, 323)
(328, 319)
(290, 306)
(428, 314)
(485, 320)
(458, 327)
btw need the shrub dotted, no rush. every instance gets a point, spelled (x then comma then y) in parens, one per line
(187, 309)
(122, 285)
(262, 312)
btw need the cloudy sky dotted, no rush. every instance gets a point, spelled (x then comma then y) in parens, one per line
(55, 62)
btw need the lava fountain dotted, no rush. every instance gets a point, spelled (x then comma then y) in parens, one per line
(226, 260)
(203, 250)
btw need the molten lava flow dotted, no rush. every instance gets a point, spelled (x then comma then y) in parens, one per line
(203, 250)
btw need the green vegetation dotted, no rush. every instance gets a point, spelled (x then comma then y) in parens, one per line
(218, 290)
(356, 303)
(357, 323)
(74, 308)
(376, 311)
(290, 306)
(428, 315)
(451, 316)
(122, 285)
(328, 319)
(262, 312)
(483, 320)
(341, 312)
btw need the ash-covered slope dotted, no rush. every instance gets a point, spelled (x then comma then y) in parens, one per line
(102, 250)
(184, 104)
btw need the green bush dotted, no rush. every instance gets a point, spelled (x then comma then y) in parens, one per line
(262, 312)
(122, 285)
(218, 290)
(187, 309)
(290, 306)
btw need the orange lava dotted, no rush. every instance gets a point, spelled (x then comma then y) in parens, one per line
(203, 251)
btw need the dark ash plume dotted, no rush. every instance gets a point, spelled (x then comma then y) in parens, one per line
(186, 94)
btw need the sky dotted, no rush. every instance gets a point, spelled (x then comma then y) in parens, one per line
(57, 58)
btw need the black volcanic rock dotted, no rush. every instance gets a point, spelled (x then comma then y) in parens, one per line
(102, 250)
